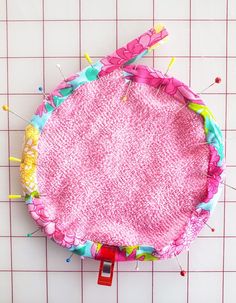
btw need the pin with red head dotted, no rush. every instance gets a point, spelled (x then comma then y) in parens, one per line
(216, 81)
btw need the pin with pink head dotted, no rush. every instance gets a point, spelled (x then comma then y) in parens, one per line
(217, 81)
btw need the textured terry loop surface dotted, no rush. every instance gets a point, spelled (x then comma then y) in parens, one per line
(122, 173)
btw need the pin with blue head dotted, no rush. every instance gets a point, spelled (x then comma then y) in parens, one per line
(41, 91)
(68, 260)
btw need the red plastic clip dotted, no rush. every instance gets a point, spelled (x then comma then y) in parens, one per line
(107, 257)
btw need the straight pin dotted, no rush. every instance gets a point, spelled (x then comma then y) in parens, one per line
(41, 90)
(182, 272)
(14, 196)
(158, 90)
(181, 108)
(13, 159)
(217, 81)
(204, 143)
(227, 185)
(176, 114)
(88, 58)
(222, 182)
(31, 234)
(7, 109)
(60, 71)
(125, 97)
(137, 266)
(90, 62)
(41, 195)
(69, 259)
(171, 63)
(211, 228)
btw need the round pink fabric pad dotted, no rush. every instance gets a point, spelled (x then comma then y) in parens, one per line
(122, 173)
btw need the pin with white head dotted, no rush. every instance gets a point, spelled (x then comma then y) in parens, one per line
(7, 109)
(60, 71)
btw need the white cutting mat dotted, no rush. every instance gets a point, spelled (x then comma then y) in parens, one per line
(35, 35)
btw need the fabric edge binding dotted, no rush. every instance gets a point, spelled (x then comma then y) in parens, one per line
(122, 58)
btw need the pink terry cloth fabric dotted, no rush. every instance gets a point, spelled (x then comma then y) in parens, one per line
(122, 173)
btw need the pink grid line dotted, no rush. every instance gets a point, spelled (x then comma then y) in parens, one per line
(115, 270)
(99, 56)
(153, 56)
(200, 237)
(117, 265)
(226, 112)
(120, 20)
(231, 165)
(9, 179)
(153, 65)
(35, 94)
(80, 66)
(44, 85)
(190, 65)
(221, 202)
